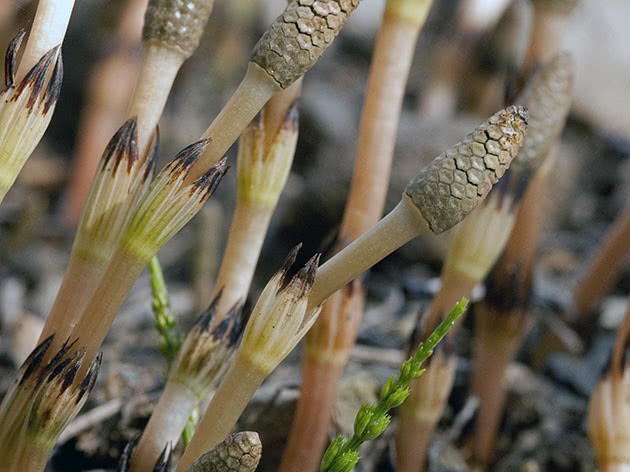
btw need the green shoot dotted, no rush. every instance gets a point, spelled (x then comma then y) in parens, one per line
(371, 420)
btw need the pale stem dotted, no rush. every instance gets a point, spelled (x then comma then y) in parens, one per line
(614, 467)
(79, 282)
(413, 440)
(253, 92)
(48, 30)
(236, 390)
(454, 286)
(488, 383)
(98, 315)
(379, 122)
(546, 38)
(32, 457)
(309, 434)
(246, 237)
(157, 74)
(605, 265)
(402, 224)
(166, 424)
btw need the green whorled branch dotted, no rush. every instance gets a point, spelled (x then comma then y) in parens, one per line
(371, 420)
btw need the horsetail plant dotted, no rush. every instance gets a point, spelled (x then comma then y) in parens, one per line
(32, 88)
(116, 188)
(609, 407)
(371, 420)
(32, 422)
(286, 51)
(475, 247)
(109, 89)
(264, 162)
(502, 319)
(26, 107)
(438, 198)
(200, 362)
(329, 342)
(164, 209)
(277, 323)
(171, 34)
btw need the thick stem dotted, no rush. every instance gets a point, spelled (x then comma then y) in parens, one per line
(79, 283)
(412, 445)
(399, 226)
(247, 234)
(253, 92)
(546, 37)
(488, 384)
(159, 68)
(379, 122)
(454, 286)
(32, 457)
(98, 315)
(48, 30)
(166, 424)
(604, 266)
(236, 390)
(311, 423)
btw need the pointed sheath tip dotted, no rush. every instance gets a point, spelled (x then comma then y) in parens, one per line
(87, 384)
(124, 463)
(10, 59)
(207, 316)
(53, 91)
(35, 79)
(189, 155)
(70, 373)
(305, 277)
(34, 360)
(163, 462)
(212, 178)
(123, 146)
(286, 265)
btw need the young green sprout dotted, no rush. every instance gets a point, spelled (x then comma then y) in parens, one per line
(343, 453)
(609, 407)
(328, 344)
(277, 323)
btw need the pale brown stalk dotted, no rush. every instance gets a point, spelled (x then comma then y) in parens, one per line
(110, 87)
(290, 46)
(442, 195)
(48, 30)
(171, 34)
(550, 19)
(609, 407)
(604, 266)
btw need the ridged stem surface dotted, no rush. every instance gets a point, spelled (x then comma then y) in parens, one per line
(165, 425)
(236, 390)
(48, 30)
